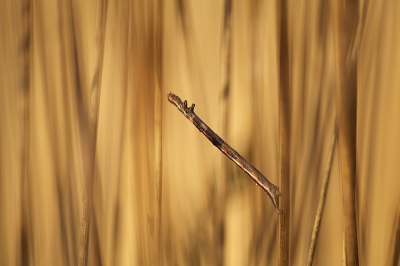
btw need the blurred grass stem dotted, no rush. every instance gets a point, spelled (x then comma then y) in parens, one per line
(284, 139)
(322, 198)
(345, 28)
(157, 31)
(25, 124)
(93, 120)
(221, 181)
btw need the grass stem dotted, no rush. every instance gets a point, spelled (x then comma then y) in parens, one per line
(157, 31)
(284, 139)
(345, 29)
(93, 125)
(322, 197)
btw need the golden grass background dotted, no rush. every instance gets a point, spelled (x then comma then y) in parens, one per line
(45, 73)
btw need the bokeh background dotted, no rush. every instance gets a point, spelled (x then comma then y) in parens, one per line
(46, 56)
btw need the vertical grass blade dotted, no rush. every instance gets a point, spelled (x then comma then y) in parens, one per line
(321, 203)
(284, 139)
(345, 27)
(157, 31)
(93, 124)
(221, 182)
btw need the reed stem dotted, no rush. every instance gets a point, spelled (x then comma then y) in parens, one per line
(284, 139)
(87, 201)
(322, 198)
(157, 31)
(345, 28)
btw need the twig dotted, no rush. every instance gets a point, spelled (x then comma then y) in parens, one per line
(260, 179)
(322, 198)
(93, 123)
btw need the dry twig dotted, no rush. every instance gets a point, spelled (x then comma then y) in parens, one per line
(260, 179)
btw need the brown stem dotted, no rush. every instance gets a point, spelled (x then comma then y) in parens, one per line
(157, 31)
(220, 204)
(25, 92)
(345, 27)
(260, 179)
(284, 138)
(322, 197)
